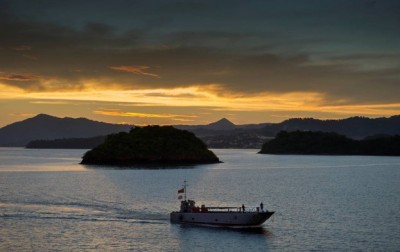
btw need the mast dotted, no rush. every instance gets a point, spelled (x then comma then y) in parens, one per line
(184, 188)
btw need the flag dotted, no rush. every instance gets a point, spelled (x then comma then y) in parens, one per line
(180, 197)
(181, 190)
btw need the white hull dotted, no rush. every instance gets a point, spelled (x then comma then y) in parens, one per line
(227, 219)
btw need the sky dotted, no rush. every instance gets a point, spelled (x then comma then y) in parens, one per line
(193, 62)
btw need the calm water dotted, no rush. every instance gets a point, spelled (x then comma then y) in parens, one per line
(333, 203)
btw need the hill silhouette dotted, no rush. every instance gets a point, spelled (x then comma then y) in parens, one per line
(223, 124)
(45, 127)
(353, 127)
(329, 143)
(150, 145)
(220, 134)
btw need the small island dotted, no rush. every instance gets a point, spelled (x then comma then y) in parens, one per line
(329, 143)
(151, 145)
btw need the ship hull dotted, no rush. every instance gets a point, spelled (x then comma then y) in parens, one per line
(224, 219)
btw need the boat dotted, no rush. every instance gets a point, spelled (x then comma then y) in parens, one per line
(235, 217)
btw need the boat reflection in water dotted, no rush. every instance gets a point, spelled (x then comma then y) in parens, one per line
(235, 217)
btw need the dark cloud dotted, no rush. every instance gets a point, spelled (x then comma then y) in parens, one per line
(210, 38)
(187, 43)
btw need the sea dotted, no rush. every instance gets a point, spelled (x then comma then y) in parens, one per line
(49, 202)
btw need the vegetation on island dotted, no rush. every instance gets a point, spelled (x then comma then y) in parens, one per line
(150, 145)
(322, 143)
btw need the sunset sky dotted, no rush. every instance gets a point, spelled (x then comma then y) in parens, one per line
(194, 62)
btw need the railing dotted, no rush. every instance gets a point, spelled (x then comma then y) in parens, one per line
(228, 209)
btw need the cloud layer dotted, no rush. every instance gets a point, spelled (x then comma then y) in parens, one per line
(348, 52)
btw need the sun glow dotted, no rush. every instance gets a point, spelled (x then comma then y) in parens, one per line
(210, 99)
(195, 96)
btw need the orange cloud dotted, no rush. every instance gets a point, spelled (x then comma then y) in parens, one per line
(23, 114)
(116, 112)
(135, 70)
(18, 76)
(134, 114)
(49, 102)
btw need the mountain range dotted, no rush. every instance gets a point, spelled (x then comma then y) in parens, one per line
(220, 134)
(46, 127)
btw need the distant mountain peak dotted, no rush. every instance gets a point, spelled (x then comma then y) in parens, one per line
(43, 116)
(224, 120)
(223, 124)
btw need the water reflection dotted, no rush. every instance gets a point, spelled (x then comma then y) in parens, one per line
(194, 237)
(255, 230)
(142, 167)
